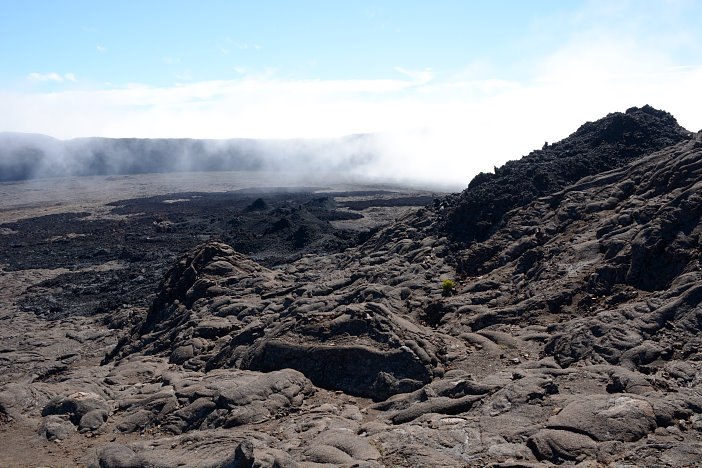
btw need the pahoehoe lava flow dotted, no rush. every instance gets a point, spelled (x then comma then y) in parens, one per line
(310, 328)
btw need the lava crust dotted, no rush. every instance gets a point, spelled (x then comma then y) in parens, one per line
(571, 335)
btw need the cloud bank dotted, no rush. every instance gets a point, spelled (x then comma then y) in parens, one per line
(436, 125)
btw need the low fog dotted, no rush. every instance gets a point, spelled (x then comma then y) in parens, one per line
(369, 158)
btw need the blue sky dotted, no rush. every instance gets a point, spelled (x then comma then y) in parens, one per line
(157, 42)
(479, 82)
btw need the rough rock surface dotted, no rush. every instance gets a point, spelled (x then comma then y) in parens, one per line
(571, 336)
(595, 147)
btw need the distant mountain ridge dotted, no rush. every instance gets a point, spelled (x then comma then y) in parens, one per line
(27, 156)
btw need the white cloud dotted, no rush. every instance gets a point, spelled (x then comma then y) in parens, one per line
(170, 60)
(422, 76)
(445, 131)
(438, 126)
(44, 77)
(101, 49)
(53, 76)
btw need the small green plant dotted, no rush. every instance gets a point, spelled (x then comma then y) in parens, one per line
(447, 287)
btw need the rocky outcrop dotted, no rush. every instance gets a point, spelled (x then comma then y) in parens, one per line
(218, 309)
(595, 147)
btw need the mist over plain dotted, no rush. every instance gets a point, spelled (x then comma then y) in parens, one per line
(364, 158)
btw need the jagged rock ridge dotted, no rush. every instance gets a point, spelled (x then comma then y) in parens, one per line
(595, 147)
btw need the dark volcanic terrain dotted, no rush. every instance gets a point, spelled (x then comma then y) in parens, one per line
(312, 328)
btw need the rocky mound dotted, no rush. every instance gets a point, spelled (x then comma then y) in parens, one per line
(217, 308)
(571, 336)
(559, 306)
(595, 147)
